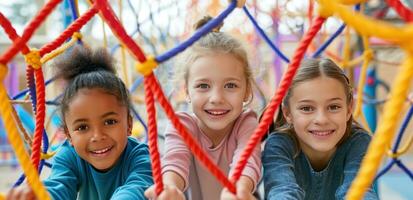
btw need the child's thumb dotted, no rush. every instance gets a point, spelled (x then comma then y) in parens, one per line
(150, 192)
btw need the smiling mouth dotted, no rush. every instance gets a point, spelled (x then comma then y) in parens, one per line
(322, 133)
(101, 151)
(217, 113)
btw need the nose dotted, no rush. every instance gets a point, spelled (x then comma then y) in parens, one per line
(216, 96)
(320, 117)
(97, 135)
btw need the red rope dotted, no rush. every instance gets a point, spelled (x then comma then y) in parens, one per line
(153, 135)
(28, 32)
(75, 26)
(404, 12)
(276, 100)
(11, 32)
(111, 19)
(187, 137)
(40, 116)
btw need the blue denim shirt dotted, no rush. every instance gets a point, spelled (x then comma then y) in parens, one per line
(286, 177)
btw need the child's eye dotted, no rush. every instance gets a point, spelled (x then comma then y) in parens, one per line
(306, 108)
(202, 86)
(334, 107)
(111, 122)
(231, 85)
(81, 127)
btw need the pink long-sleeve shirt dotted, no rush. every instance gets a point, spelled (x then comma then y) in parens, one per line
(198, 180)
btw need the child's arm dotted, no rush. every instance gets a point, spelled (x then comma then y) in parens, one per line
(279, 179)
(140, 177)
(352, 164)
(175, 162)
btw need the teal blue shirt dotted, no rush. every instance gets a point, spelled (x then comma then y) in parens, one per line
(289, 177)
(74, 178)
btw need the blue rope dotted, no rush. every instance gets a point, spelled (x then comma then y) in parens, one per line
(332, 37)
(42, 162)
(198, 34)
(265, 37)
(402, 129)
(404, 168)
(329, 41)
(136, 84)
(385, 169)
(73, 9)
(24, 92)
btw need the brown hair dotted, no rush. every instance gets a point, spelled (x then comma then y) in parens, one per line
(309, 70)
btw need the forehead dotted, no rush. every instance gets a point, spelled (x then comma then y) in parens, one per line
(91, 102)
(216, 65)
(319, 89)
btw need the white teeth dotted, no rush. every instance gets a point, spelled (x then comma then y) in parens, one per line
(216, 112)
(102, 150)
(321, 133)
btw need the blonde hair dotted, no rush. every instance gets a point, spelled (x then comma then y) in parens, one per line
(211, 43)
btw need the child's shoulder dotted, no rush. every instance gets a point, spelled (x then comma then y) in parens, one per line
(134, 144)
(279, 137)
(359, 138)
(358, 133)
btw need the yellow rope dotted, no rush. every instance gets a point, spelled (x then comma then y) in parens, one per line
(354, 62)
(18, 146)
(33, 59)
(402, 150)
(385, 132)
(368, 55)
(369, 26)
(47, 155)
(122, 50)
(146, 67)
(346, 48)
(105, 39)
(75, 37)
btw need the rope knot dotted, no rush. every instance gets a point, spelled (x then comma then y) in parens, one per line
(3, 71)
(146, 67)
(77, 35)
(33, 58)
(368, 54)
(240, 3)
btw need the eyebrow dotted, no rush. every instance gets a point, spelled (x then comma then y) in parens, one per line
(103, 116)
(108, 114)
(308, 100)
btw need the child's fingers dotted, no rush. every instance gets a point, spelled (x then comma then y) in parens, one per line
(10, 195)
(150, 192)
(227, 195)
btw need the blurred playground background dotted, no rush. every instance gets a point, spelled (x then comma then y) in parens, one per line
(271, 31)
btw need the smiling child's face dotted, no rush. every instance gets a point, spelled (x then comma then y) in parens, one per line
(319, 111)
(98, 127)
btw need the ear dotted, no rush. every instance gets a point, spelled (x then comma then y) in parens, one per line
(130, 125)
(66, 131)
(248, 94)
(287, 114)
(187, 98)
